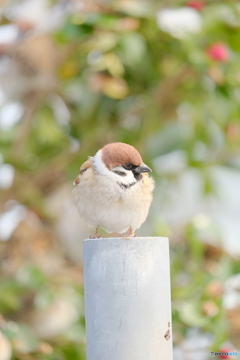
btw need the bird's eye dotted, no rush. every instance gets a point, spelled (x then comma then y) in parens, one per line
(128, 166)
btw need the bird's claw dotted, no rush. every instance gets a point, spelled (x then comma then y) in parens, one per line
(95, 237)
(132, 233)
(96, 234)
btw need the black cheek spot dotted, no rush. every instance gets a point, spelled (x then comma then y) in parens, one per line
(120, 173)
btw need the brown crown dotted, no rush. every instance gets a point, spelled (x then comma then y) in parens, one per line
(117, 154)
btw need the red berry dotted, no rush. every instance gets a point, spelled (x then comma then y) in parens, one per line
(218, 52)
(196, 4)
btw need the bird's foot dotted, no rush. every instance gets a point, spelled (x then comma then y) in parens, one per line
(132, 233)
(95, 235)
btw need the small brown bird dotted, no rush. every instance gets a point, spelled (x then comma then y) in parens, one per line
(113, 190)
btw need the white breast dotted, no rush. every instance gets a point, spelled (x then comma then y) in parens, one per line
(102, 202)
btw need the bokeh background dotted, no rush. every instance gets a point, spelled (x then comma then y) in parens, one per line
(163, 76)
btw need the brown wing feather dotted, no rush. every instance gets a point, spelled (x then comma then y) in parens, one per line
(86, 165)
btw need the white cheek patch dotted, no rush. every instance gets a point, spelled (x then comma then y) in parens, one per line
(103, 170)
(126, 179)
(99, 165)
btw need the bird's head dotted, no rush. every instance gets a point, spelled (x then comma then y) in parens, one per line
(121, 162)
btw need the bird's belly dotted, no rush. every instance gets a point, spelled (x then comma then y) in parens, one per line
(112, 215)
(116, 217)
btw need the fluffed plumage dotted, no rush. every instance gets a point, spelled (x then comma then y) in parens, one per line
(113, 190)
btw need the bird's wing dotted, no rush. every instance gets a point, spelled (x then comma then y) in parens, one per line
(85, 166)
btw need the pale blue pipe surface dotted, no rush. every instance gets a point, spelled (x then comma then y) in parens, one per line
(127, 299)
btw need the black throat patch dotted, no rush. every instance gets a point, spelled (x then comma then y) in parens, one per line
(126, 186)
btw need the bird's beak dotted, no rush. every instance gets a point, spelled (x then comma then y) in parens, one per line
(142, 168)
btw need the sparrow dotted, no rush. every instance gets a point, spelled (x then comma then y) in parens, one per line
(113, 190)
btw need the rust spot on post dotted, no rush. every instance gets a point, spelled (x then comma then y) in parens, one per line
(167, 335)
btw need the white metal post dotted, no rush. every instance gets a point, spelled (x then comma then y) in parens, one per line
(127, 299)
